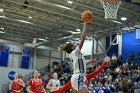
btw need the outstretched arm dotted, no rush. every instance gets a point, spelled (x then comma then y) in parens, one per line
(93, 61)
(63, 88)
(83, 36)
(99, 69)
(96, 72)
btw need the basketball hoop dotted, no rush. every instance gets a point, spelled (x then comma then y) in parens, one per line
(111, 8)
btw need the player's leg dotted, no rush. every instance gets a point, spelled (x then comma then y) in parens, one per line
(74, 90)
(84, 90)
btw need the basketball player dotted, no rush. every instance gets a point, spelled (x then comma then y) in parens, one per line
(35, 85)
(88, 77)
(79, 64)
(16, 84)
(53, 83)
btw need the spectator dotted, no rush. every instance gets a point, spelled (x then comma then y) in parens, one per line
(131, 57)
(114, 58)
(120, 60)
(57, 69)
(139, 57)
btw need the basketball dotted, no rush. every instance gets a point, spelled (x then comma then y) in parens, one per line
(87, 16)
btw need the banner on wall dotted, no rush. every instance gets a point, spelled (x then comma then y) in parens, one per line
(4, 54)
(25, 58)
(130, 44)
(137, 33)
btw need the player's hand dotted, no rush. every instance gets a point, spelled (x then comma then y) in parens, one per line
(107, 59)
(94, 61)
(19, 83)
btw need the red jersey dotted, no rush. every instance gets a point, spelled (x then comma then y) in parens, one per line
(36, 86)
(16, 88)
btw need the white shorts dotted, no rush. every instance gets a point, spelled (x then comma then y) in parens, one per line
(78, 81)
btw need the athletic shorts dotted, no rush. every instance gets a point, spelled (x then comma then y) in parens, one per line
(78, 81)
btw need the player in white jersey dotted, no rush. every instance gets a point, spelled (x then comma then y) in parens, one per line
(53, 83)
(79, 64)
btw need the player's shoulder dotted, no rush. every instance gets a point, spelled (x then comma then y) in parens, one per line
(51, 80)
(20, 79)
(31, 81)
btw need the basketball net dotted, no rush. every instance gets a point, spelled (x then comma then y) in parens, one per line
(111, 8)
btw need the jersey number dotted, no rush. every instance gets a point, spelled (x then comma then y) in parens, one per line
(38, 87)
(81, 65)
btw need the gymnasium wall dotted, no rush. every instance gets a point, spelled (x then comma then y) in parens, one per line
(98, 51)
(4, 71)
(130, 43)
(42, 56)
(87, 47)
(14, 60)
(97, 48)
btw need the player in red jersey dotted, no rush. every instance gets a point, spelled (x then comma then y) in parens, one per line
(88, 77)
(16, 84)
(35, 85)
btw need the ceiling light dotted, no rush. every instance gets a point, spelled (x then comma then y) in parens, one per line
(41, 39)
(2, 16)
(24, 21)
(67, 42)
(46, 38)
(2, 28)
(116, 22)
(78, 30)
(2, 32)
(30, 17)
(70, 2)
(123, 18)
(63, 7)
(1, 10)
(74, 32)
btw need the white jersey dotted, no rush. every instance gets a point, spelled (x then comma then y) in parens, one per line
(78, 61)
(55, 83)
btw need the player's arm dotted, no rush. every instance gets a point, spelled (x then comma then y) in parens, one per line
(93, 61)
(21, 83)
(99, 69)
(63, 88)
(83, 36)
(42, 88)
(49, 85)
(29, 89)
(10, 85)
